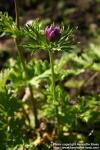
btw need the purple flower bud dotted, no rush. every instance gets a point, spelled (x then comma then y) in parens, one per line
(52, 33)
(72, 101)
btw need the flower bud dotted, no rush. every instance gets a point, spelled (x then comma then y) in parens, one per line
(52, 33)
(72, 102)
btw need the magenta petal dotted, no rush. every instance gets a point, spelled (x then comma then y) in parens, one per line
(52, 33)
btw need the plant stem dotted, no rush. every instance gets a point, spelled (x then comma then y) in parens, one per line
(17, 43)
(52, 75)
(17, 13)
(53, 87)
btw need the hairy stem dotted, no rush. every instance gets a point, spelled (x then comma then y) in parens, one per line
(53, 87)
(17, 43)
(52, 75)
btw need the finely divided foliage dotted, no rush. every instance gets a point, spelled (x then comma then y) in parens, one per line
(35, 34)
(37, 40)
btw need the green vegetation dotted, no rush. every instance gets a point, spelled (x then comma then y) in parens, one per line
(54, 99)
